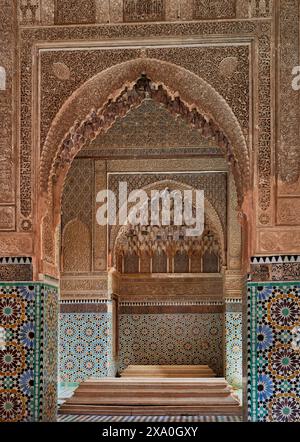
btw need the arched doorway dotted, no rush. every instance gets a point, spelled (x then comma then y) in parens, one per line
(207, 113)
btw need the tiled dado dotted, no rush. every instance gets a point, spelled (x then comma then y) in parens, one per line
(85, 341)
(28, 352)
(273, 352)
(156, 334)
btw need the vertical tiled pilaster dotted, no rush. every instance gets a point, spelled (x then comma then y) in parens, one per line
(233, 343)
(273, 356)
(28, 377)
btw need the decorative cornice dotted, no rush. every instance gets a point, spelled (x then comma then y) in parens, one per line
(233, 301)
(85, 301)
(168, 303)
(275, 259)
(16, 260)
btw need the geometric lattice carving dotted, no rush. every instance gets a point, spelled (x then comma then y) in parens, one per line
(29, 11)
(2, 79)
(213, 184)
(76, 250)
(149, 125)
(143, 10)
(7, 156)
(77, 194)
(102, 119)
(289, 114)
(74, 11)
(208, 9)
(261, 8)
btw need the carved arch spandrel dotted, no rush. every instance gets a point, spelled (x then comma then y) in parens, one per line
(181, 85)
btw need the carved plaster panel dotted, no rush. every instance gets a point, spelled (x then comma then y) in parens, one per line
(7, 38)
(173, 165)
(213, 184)
(77, 199)
(74, 12)
(143, 10)
(235, 91)
(80, 12)
(16, 244)
(279, 241)
(76, 247)
(289, 99)
(100, 232)
(84, 286)
(208, 9)
(168, 288)
(234, 230)
(7, 218)
(16, 269)
(194, 28)
(289, 189)
(234, 283)
(29, 12)
(288, 211)
(150, 126)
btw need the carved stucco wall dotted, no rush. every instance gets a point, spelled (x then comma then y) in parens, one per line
(273, 219)
(159, 130)
(213, 184)
(76, 246)
(7, 119)
(171, 52)
(89, 176)
(274, 153)
(114, 11)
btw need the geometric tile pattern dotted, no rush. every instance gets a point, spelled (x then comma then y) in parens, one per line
(273, 362)
(233, 348)
(85, 346)
(172, 339)
(194, 418)
(28, 314)
(49, 351)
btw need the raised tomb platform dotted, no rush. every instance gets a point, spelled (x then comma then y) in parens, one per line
(155, 390)
(168, 371)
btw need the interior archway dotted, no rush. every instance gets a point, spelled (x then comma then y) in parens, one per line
(116, 105)
(181, 91)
